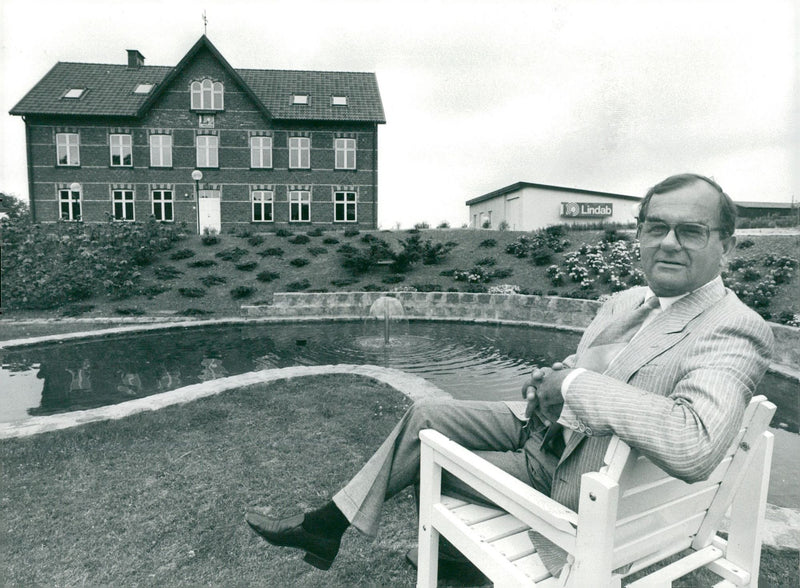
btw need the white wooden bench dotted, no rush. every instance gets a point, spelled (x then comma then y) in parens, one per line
(631, 515)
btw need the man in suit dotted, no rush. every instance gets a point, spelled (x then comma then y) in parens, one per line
(676, 392)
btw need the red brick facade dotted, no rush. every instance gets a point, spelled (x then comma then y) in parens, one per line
(233, 179)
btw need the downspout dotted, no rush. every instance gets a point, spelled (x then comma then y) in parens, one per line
(29, 155)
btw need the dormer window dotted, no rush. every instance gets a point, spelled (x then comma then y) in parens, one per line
(143, 88)
(299, 98)
(74, 93)
(207, 95)
(338, 100)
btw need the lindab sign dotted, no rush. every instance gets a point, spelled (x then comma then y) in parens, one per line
(586, 209)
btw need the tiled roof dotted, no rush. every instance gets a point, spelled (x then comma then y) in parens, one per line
(110, 90)
(276, 87)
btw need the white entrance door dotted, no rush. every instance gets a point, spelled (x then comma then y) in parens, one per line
(210, 217)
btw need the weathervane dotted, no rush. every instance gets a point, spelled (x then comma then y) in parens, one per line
(205, 23)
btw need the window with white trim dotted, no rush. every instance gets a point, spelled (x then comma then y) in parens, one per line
(67, 150)
(345, 153)
(207, 151)
(163, 205)
(160, 150)
(262, 205)
(338, 100)
(260, 152)
(143, 88)
(69, 202)
(344, 207)
(299, 98)
(121, 150)
(299, 206)
(122, 205)
(207, 95)
(74, 93)
(299, 152)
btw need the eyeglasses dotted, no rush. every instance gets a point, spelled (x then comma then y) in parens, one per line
(689, 235)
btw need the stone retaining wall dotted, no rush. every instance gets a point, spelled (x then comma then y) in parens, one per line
(566, 313)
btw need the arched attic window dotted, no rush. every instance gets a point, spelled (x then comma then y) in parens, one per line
(207, 95)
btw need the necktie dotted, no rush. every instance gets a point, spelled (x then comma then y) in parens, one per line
(602, 351)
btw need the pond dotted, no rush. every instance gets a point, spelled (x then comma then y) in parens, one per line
(468, 360)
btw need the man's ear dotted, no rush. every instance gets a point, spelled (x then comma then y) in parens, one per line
(728, 245)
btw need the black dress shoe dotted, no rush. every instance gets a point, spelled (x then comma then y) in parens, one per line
(320, 549)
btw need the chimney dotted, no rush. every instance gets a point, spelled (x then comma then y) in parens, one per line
(135, 59)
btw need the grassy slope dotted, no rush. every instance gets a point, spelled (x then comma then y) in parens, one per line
(326, 267)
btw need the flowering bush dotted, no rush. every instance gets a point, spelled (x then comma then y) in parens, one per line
(504, 289)
(47, 266)
(476, 275)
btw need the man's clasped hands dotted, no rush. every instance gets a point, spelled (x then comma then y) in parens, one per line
(543, 392)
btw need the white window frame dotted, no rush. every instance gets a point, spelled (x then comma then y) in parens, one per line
(143, 88)
(68, 149)
(207, 151)
(338, 100)
(299, 206)
(299, 152)
(207, 95)
(345, 153)
(163, 203)
(160, 150)
(124, 200)
(300, 99)
(263, 201)
(261, 152)
(74, 93)
(345, 201)
(74, 204)
(120, 146)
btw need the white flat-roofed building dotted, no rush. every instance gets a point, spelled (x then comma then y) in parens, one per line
(526, 206)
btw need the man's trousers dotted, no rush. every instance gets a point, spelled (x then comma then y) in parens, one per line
(489, 429)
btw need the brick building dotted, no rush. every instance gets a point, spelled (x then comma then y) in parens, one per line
(262, 149)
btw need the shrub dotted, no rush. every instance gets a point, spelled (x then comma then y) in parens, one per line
(487, 261)
(255, 240)
(299, 262)
(504, 289)
(443, 225)
(503, 226)
(476, 275)
(195, 312)
(344, 282)
(487, 243)
(427, 287)
(317, 251)
(283, 233)
(77, 309)
(210, 280)
(297, 286)
(351, 232)
(209, 237)
(167, 272)
(316, 232)
(242, 232)
(232, 254)
(361, 260)
(247, 266)
(271, 252)
(299, 240)
(372, 288)
(182, 254)
(267, 276)
(422, 225)
(153, 290)
(542, 255)
(203, 263)
(393, 279)
(330, 241)
(129, 311)
(240, 292)
(745, 244)
(192, 292)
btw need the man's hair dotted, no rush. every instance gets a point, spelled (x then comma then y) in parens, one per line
(727, 208)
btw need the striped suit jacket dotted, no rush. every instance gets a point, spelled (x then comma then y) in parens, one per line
(677, 393)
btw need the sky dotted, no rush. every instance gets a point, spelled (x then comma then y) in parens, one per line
(608, 95)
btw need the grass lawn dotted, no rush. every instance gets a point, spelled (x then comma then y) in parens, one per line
(158, 498)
